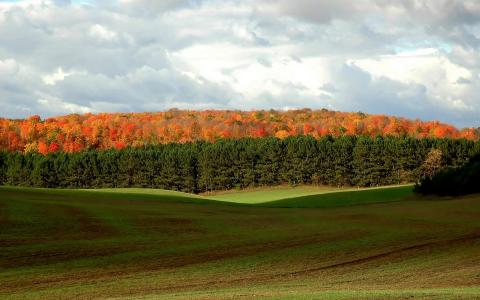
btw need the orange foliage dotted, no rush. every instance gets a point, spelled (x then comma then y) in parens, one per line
(42, 147)
(73, 133)
(282, 134)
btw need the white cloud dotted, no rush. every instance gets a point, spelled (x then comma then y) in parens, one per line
(428, 67)
(101, 33)
(8, 67)
(62, 106)
(58, 75)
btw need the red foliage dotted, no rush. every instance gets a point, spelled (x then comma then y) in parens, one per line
(119, 145)
(53, 147)
(226, 133)
(73, 133)
(307, 129)
(259, 132)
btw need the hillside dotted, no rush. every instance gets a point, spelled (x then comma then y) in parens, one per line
(118, 244)
(73, 133)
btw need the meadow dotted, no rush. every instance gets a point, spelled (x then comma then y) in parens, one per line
(297, 243)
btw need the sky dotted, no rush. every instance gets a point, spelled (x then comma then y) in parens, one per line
(410, 58)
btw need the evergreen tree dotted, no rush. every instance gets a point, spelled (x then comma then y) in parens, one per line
(228, 163)
(269, 162)
(3, 167)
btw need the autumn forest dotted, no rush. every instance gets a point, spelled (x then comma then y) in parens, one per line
(75, 133)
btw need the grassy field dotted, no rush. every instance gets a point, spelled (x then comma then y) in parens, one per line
(267, 194)
(369, 244)
(156, 192)
(250, 196)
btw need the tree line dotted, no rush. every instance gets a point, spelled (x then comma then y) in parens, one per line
(238, 163)
(452, 181)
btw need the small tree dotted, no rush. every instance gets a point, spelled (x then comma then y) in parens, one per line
(433, 163)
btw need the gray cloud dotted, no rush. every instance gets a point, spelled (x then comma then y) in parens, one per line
(158, 7)
(322, 11)
(356, 89)
(140, 88)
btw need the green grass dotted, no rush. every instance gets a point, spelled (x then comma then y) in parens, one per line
(288, 293)
(247, 196)
(268, 194)
(344, 198)
(158, 192)
(369, 244)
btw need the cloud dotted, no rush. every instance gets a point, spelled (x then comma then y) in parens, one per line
(462, 80)
(152, 8)
(101, 33)
(415, 58)
(58, 75)
(144, 89)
